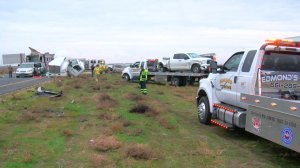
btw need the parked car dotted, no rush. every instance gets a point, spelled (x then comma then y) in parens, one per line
(30, 69)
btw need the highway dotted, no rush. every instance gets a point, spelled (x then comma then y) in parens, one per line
(12, 84)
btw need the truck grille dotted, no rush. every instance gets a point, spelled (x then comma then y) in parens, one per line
(54, 69)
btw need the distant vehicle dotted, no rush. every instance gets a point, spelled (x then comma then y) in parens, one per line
(184, 62)
(64, 66)
(175, 78)
(30, 69)
(13, 59)
(116, 67)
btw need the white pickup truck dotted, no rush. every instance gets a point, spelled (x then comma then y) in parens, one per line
(63, 66)
(184, 62)
(256, 90)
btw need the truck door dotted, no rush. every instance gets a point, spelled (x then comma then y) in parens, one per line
(225, 82)
(135, 69)
(175, 63)
(245, 76)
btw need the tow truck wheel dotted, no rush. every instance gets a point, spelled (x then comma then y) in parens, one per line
(126, 77)
(175, 81)
(196, 68)
(161, 68)
(204, 114)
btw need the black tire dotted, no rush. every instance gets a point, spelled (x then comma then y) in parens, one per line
(175, 81)
(192, 81)
(161, 68)
(183, 81)
(126, 77)
(204, 114)
(196, 68)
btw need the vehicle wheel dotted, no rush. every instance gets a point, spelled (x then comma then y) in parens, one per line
(196, 68)
(161, 68)
(204, 114)
(126, 77)
(175, 81)
(192, 81)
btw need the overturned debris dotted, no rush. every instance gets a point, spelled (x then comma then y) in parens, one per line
(42, 92)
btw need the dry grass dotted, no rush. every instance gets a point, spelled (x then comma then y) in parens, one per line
(133, 132)
(140, 151)
(100, 161)
(108, 116)
(165, 123)
(27, 157)
(104, 101)
(117, 126)
(68, 133)
(133, 97)
(106, 143)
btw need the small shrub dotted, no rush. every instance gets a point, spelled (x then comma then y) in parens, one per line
(104, 144)
(140, 151)
(77, 85)
(108, 117)
(117, 126)
(96, 87)
(67, 133)
(134, 132)
(133, 96)
(165, 123)
(105, 101)
(99, 160)
(27, 157)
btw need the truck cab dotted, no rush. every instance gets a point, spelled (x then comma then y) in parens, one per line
(133, 71)
(275, 66)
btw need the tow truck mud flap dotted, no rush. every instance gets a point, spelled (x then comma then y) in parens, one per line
(274, 124)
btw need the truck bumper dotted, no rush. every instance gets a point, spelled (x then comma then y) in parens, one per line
(22, 74)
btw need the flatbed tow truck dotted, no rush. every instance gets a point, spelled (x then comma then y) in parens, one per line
(256, 90)
(175, 78)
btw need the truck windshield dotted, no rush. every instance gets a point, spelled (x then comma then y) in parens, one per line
(26, 66)
(193, 55)
(281, 61)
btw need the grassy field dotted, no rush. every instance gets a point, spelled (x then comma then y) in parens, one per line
(111, 124)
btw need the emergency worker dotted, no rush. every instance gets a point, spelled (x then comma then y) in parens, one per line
(143, 80)
(97, 73)
(10, 71)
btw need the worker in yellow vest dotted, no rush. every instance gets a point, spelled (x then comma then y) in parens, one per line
(97, 73)
(143, 80)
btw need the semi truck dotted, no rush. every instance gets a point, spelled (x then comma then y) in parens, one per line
(63, 66)
(258, 91)
(175, 78)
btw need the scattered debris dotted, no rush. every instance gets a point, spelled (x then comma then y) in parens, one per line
(42, 92)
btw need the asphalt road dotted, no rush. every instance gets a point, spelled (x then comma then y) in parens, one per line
(12, 84)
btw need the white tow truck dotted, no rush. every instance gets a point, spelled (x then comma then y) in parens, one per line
(185, 62)
(176, 78)
(256, 90)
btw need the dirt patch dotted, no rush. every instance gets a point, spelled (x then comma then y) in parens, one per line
(106, 143)
(100, 161)
(104, 101)
(140, 108)
(140, 151)
(133, 132)
(96, 87)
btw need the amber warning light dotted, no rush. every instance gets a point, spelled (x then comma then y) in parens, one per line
(282, 42)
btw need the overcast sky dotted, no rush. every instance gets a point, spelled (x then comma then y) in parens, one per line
(130, 30)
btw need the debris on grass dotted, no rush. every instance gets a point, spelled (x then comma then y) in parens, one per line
(42, 92)
(100, 160)
(140, 151)
(106, 143)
